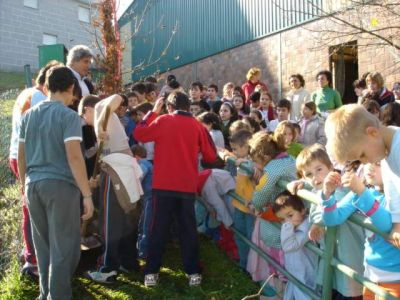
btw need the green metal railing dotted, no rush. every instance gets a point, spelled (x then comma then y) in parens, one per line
(330, 262)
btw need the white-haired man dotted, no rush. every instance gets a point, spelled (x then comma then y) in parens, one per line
(78, 60)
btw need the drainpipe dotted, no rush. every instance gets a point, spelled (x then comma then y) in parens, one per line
(280, 67)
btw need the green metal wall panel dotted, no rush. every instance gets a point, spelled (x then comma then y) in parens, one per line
(172, 33)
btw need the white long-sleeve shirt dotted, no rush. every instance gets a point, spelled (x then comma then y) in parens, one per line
(299, 261)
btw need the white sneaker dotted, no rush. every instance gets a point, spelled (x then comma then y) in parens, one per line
(195, 279)
(102, 277)
(150, 279)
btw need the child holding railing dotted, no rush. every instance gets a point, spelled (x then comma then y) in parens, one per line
(381, 259)
(299, 261)
(314, 165)
(268, 155)
(243, 219)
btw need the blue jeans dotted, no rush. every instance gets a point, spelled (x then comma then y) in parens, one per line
(144, 224)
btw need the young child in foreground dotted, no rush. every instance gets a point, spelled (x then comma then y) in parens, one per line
(269, 156)
(299, 261)
(314, 165)
(381, 259)
(243, 219)
(355, 134)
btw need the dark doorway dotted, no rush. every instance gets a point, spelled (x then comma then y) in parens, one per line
(344, 67)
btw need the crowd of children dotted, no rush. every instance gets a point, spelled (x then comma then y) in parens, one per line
(153, 143)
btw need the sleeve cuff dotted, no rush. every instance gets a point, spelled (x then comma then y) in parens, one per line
(328, 204)
(73, 138)
(366, 203)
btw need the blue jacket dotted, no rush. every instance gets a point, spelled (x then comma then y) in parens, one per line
(378, 252)
(147, 179)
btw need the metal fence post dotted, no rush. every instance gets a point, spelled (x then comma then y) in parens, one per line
(28, 76)
(330, 240)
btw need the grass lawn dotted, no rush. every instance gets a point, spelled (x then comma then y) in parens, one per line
(222, 277)
(222, 280)
(11, 80)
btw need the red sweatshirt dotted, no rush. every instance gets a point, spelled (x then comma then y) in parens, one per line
(179, 138)
(248, 88)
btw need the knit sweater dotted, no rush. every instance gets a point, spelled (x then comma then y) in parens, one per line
(326, 99)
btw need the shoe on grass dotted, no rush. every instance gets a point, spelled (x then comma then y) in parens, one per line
(150, 280)
(102, 277)
(195, 279)
(30, 270)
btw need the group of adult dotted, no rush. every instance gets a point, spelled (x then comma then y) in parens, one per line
(370, 86)
(325, 97)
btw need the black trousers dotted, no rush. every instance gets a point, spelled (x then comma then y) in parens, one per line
(166, 206)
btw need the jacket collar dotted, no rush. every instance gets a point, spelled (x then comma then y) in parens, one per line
(182, 113)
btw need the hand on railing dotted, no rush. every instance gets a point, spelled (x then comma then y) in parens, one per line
(394, 236)
(224, 154)
(331, 182)
(294, 186)
(353, 182)
(316, 232)
(239, 161)
(252, 210)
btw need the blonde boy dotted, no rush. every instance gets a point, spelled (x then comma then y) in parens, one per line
(314, 165)
(355, 134)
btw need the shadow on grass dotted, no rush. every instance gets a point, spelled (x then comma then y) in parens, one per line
(222, 279)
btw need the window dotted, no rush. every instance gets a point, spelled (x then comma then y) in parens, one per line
(84, 14)
(31, 3)
(49, 39)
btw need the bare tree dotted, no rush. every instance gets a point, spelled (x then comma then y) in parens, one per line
(137, 18)
(112, 42)
(111, 49)
(371, 23)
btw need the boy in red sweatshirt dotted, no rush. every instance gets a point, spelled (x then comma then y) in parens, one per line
(178, 138)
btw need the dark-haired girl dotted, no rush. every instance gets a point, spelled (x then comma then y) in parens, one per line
(228, 115)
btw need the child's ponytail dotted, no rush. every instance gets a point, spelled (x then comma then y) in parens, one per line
(279, 139)
(264, 144)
